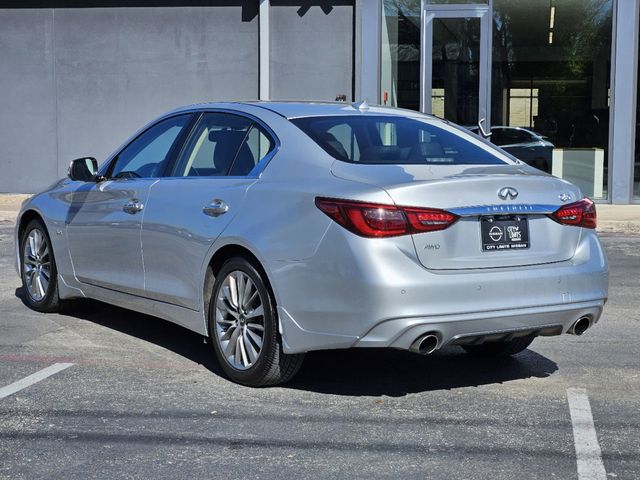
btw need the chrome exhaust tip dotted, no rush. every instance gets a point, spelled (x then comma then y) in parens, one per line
(580, 326)
(425, 344)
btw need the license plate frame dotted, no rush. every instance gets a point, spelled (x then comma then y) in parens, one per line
(504, 232)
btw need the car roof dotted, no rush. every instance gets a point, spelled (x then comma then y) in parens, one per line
(295, 109)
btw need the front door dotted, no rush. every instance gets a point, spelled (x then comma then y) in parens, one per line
(104, 223)
(455, 63)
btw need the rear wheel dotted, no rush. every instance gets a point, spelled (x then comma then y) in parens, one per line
(39, 273)
(501, 348)
(244, 328)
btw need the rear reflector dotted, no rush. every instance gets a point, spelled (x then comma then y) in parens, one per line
(377, 220)
(578, 214)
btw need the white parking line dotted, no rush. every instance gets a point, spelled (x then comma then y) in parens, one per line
(590, 466)
(31, 379)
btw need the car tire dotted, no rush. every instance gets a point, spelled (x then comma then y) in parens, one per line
(38, 269)
(500, 348)
(243, 327)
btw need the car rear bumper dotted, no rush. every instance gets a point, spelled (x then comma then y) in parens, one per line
(358, 292)
(478, 327)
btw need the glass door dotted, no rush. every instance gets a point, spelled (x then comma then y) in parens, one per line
(455, 61)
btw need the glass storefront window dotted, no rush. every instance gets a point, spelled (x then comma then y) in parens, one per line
(400, 62)
(456, 69)
(551, 75)
(550, 78)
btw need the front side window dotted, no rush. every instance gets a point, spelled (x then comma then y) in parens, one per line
(395, 140)
(147, 155)
(213, 145)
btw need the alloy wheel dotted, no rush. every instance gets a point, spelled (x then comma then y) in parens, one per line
(239, 317)
(36, 264)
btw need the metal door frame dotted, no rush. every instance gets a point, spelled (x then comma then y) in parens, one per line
(429, 12)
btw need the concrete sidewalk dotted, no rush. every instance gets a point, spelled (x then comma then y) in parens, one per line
(611, 218)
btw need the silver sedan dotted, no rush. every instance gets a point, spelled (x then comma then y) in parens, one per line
(275, 229)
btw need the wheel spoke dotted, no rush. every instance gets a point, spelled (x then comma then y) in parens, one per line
(246, 298)
(251, 351)
(258, 312)
(42, 245)
(255, 326)
(223, 304)
(45, 274)
(44, 283)
(228, 333)
(29, 260)
(241, 281)
(40, 288)
(243, 353)
(232, 292)
(231, 345)
(251, 299)
(256, 339)
(32, 245)
(30, 281)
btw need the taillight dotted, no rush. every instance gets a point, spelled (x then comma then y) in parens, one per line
(377, 220)
(578, 214)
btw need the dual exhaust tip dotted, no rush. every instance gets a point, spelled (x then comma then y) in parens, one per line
(580, 326)
(429, 342)
(425, 344)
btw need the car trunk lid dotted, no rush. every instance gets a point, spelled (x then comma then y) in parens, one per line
(520, 220)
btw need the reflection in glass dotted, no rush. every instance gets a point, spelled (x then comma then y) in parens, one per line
(456, 68)
(400, 53)
(551, 74)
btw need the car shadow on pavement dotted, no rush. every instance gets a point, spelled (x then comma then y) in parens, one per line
(354, 372)
(394, 373)
(172, 337)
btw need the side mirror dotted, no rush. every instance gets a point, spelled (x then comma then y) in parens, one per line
(481, 129)
(83, 169)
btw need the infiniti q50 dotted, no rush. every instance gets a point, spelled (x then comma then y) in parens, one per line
(276, 229)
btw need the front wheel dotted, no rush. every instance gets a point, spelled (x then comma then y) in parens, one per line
(39, 273)
(243, 327)
(501, 348)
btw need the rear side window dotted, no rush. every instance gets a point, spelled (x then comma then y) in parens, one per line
(213, 145)
(257, 144)
(395, 141)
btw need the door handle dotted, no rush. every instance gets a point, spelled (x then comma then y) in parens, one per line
(133, 207)
(216, 208)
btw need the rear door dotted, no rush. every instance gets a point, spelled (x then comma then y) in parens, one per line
(105, 219)
(188, 210)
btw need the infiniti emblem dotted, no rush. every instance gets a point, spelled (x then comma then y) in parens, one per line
(507, 192)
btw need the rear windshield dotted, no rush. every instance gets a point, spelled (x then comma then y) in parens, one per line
(394, 140)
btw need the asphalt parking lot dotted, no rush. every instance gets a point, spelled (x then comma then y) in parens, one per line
(143, 398)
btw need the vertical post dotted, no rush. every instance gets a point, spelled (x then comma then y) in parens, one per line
(486, 37)
(623, 102)
(426, 54)
(370, 48)
(264, 51)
